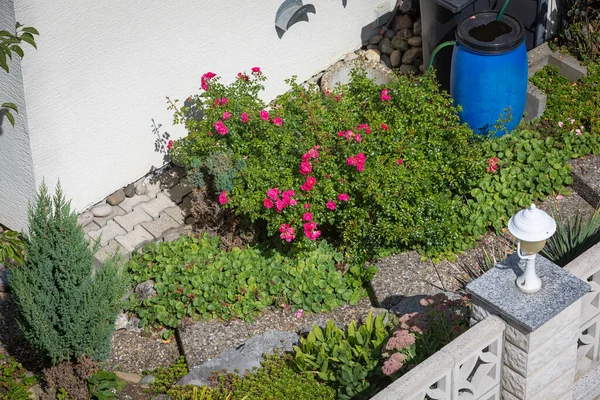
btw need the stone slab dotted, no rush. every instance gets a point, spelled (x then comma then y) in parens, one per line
(135, 239)
(133, 219)
(158, 205)
(586, 179)
(160, 226)
(204, 340)
(106, 252)
(497, 289)
(110, 231)
(182, 211)
(116, 211)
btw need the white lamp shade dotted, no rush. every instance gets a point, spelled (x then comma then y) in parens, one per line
(531, 225)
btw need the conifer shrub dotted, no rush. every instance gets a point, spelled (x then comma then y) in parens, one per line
(67, 309)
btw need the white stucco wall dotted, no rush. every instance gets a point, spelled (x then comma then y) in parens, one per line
(103, 68)
(16, 167)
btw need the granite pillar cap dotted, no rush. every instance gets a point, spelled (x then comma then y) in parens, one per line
(497, 289)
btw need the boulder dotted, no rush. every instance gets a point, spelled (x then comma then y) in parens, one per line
(145, 290)
(386, 46)
(402, 22)
(405, 34)
(373, 55)
(411, 55)
(244, 358)
(396, 58)
(385, 59)
(101, 210)
(408, 69)
(415, 41)
(116, 198)
(400, 44)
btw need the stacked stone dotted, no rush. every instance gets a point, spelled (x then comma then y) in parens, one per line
(400, 47)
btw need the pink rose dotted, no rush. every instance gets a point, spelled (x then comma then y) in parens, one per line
(400, 161)
(278, 121)
(306, 206)
(223, 198)
(221, 128)
(169, 144)
(280, 205)
(224, 101)
(273, 193)
(384, 96)
(343, 197)
(264, 115)
(287, 232)
(268, 203)
(307, 216)
(364, 127)
(385, 127)
(256, 70)
(226, 115)
(357, 138)
(305, 167)
(331, 205)
(309, 184)
(244, 118)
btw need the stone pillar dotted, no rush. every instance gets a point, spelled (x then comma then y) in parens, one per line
(542, 329)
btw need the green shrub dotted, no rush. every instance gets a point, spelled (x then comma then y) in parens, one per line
(418, 162)
(572, 110)
(14, 383)
(104, 385)
(574, 236)
(194, 278)
(66, 308)
(347, 361)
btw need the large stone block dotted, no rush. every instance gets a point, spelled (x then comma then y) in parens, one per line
(158, 205)
(133, 219)
(135, 239)
(110, 231)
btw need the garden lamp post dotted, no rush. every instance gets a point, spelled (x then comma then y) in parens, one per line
(531, 227)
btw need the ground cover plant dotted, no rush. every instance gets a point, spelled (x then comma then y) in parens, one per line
(195, 278)
(14, 381)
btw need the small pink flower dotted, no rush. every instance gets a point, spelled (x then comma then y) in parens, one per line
(384, 95)
(224, 101)
(331, 205)
(560, 124)
(288, 194)
(312, 235)
(223, 198)
(264, 115)
(243, 77)
(299, 313)
(357, 138)
(169, 144)
(216, 103)
(343, 197)
(221, 128)
(204, 79)
(306, 206)
(313, 153)
(400, 161)
(578, 132)
(278, 121)
(280, 205)
(256, 70)
(572, 121)
(341, 133)
(385, 127)
(337, 98)
(244, 118)
(226, 115)
(287, 232)
(364, 127)
(560, 197)
(305, 167)
(307, 216)
(273, 193)
(268, 203)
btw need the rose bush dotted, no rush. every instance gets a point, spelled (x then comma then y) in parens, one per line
(373, 167)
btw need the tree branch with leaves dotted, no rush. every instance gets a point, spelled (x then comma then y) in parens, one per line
(11, 43)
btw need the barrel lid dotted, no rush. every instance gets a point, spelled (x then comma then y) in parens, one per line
(482, 33)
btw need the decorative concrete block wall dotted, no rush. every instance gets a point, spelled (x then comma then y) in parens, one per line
(96, 85)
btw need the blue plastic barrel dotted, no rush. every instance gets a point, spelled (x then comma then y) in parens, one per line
(489, 72)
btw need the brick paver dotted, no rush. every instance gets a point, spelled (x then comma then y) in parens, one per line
(109, 250)
(135, 239)
(182, 211)
(116, 210)
(179, 191)
(110, 231)
(159, 226)
(130, 220)
(92, 226)
(130, 202)
(158, 205)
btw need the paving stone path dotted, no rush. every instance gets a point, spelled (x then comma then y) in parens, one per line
(162, 213)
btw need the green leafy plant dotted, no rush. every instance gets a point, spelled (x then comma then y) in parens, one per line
(195, 278)
(66, 308)
(12, 248)
(14, 382)
(165, 377)
(104, 385)
(572, 114)
(347, 361)
(522, 168)
(574, 236)
(11, 43)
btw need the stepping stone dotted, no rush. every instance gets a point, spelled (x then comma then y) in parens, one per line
(135, 239)
(132, 219)
(160, 226)
(110, 231)
(586, 179)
